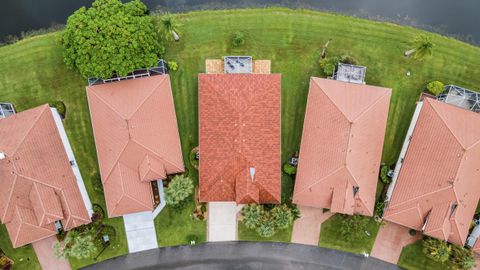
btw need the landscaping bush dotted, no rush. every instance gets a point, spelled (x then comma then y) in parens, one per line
(61, 108)
(289, 169)
(238, 39)
(76, 245)
(172, 65)
(252, 213)
(383, 174)
(436, 250)
(97, 182)
(282, 216)
(461, 258)
(267, 227)
(379, 206)
(110, 38)
(435, 87)
(178, 190)
(329, 64)
(412, 232)
(266, 220)
(98, 213)
(354, 227)
(192, 239)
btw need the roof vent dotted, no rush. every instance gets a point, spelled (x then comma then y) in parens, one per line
(252, 173)
(2, 155)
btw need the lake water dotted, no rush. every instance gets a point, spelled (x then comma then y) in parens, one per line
(457, 18)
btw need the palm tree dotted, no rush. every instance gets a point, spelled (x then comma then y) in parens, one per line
(170, 26)
(423, 46)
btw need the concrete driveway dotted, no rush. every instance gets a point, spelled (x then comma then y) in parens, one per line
(140, 231)
(222, 221)
(390, 241)
(243, 255)
(306, 229)
(46, 257)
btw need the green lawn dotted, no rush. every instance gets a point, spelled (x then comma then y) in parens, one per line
(245, 234)
(175, 226)
(24, 257)
(412, 258)
(331, 236)
(32, 73)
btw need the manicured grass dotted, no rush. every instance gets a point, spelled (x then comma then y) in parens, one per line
(412, 258)
(331, 236)
(23, 257)
(175, 226)
(32, 73)
(245, 234)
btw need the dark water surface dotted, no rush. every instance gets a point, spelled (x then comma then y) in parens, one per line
(458, 18)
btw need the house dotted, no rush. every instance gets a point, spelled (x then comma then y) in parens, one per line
(137, 140)
(341, 146)
(239, 131)
(435, 189)
(42, 191)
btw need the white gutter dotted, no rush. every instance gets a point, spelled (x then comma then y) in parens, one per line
(73, 162)
(403, 152)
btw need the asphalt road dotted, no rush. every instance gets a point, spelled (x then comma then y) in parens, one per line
(242, 255)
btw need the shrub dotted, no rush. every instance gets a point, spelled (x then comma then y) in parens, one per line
(354, 227)
(329, 64)
(76, 245)
(383, 174)
(379, 206)
(98, 213)
(192, 239)
(412, 232)
(282, 216)
(238, 39)
(252, 214)
(61, 108)
(461, 258)
(266, 228)
(179, 189)
(97, 182)
(172, 65)
(110, 38)
(435, 87)
(289, 169)
(437, 250)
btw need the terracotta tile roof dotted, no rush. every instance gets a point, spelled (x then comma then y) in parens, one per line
(239, 137)
(137, 139)
(438, 178)
(341, 146)
(38, 186)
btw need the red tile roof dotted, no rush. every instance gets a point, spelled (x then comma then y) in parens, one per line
(439, 175)
(137, 139)
(239, 137)
(341, 146)
(38, 186)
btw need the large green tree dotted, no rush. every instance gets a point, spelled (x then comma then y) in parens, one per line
(110, 38)
(179, 189)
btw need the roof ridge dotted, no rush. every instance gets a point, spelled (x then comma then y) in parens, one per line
(331, 100)
(159, 83)
(116, 163)
(371, 105)
(422, 196)
(155, 154)
(31, 127)
(446, 125)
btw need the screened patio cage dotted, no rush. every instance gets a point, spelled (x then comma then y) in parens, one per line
(350, 73)
(461, 97)
(6, 109)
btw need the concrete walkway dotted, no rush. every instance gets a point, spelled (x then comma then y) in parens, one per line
(140, 229)
(243, 255)
(44, 251)
(306, 229)
(390, 241)
(222, 221)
